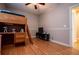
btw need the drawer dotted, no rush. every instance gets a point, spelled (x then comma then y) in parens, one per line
(20, 35)
(20, 40)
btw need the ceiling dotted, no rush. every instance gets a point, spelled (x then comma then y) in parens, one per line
(30, 8)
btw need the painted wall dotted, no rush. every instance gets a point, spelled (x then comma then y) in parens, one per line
(57, 23)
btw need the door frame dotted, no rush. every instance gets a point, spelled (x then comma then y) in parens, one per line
(71, 21)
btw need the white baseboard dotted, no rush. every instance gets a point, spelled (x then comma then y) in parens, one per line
(33, 36)
(60, 43)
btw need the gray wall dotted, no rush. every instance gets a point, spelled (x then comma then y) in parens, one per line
(57, 23)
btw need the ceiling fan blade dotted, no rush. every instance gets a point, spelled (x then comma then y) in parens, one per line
(27, 3)
(42, 3)
(35, 6)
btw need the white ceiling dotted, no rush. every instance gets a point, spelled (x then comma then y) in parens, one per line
(30, 8)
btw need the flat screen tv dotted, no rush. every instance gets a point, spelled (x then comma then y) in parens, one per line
(40, 29)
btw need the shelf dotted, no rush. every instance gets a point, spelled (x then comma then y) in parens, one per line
(10, 32)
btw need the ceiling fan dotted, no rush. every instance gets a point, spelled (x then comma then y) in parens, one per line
(35, 5)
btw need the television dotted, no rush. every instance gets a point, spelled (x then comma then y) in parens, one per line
(40, 29)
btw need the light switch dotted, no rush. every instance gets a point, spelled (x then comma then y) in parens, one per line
(65, 25)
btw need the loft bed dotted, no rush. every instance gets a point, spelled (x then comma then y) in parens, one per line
(8, 17)
(9, 12)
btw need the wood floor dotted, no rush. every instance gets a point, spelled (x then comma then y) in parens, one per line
(40, 47)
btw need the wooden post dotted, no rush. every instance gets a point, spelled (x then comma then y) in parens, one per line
(29, 35)
(0, 44)
(28, 32)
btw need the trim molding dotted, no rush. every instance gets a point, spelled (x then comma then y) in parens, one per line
(33, 36)
(60, 43)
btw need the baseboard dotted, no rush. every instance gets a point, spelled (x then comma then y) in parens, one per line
(60, 43)
(33, 36)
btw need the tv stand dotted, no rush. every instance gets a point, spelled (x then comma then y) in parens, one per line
(40, 34)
